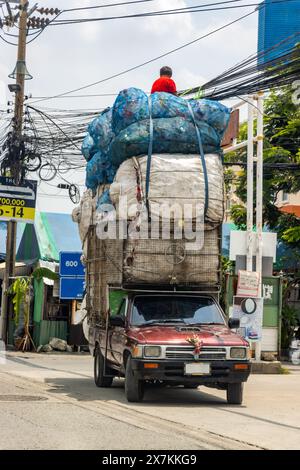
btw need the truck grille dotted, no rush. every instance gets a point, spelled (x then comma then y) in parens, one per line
(187, 353)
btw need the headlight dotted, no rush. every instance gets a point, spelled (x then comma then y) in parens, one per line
(238, 353)
(152, 351)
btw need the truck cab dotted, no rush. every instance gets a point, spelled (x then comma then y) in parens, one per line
(176, 338)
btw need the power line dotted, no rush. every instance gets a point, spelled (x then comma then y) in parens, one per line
(190, 9)
(150, 60)
(108, 5)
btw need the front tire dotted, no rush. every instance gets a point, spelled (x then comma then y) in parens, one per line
(134, 388)
(235, 393)
(100, 379)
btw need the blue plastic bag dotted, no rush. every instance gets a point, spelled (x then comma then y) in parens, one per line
(88, 149)
(132, 105)
(99, 170)
(174, 135)
(100, 129)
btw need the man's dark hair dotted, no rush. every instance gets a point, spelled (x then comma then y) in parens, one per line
(166, 71)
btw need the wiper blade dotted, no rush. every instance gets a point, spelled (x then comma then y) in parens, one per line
(153, 322)
(201, 324)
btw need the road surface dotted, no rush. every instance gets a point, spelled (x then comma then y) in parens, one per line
(49, 401)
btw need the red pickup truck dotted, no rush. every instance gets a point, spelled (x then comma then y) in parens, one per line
(171, 337)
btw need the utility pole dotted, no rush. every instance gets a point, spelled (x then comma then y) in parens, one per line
(250, 150)
(259, 200)
(16, 166)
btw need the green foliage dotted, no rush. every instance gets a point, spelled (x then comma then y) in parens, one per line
(292, 235)
(281, 145)
(239, 215)
(39, 273)
(20, 290)
(226, 268)
(288, 325)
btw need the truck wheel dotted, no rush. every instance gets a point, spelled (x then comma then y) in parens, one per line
(99, 378)
(235, 393)
(134, 388)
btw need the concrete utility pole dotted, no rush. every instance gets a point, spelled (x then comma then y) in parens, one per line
(259, 200)
(16, 168)
(250, 146)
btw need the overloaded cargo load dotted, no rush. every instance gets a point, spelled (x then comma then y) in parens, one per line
(124, 130)
(146, 261)
(153, 151)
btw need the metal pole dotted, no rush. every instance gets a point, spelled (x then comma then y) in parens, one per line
(249, 264)
(9, 272)
(16, 167)
(259, 201)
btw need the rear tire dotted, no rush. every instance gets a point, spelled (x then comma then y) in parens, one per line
(99, 378)
(235, 393)
(134, 388)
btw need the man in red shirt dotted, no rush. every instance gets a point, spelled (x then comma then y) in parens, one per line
(165, 82)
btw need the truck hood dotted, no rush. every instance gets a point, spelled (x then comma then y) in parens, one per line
(211, 335)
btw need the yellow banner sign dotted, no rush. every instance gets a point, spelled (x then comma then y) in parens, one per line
(17, 202)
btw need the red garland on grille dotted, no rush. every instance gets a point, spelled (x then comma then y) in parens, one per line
(197, 343)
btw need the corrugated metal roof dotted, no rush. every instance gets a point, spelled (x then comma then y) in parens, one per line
(20, 230)
(291, 209)
(51, 233)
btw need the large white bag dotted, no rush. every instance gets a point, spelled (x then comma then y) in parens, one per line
(174, 178)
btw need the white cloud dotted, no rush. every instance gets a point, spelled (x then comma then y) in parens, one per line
(180, 26)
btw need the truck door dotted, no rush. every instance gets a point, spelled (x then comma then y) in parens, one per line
(118, 337)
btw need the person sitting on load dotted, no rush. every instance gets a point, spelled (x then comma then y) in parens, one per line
(165, 82)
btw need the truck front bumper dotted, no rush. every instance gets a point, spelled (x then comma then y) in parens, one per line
(221, 372)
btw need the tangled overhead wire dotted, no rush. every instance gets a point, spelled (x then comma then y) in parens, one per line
(50, 146)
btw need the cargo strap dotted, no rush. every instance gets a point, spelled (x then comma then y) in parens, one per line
(150, 150)
(202, 157)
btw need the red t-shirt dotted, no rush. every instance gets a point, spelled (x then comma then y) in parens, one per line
(165, 84)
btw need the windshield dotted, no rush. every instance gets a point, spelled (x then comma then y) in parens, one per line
(175, 309)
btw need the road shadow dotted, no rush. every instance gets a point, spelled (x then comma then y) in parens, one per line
(83, 389)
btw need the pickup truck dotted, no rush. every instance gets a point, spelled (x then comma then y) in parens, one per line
(173, 338)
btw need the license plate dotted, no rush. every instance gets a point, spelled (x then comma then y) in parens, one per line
(198, 368)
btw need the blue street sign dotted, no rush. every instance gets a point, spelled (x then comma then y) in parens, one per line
(71, 288)
(70, 264)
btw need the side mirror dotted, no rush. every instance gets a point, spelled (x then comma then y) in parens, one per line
(233, 323)
(117, 321)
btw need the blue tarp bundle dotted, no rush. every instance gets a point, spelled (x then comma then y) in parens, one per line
(123, 131)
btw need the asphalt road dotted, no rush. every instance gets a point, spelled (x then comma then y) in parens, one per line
(49, 401)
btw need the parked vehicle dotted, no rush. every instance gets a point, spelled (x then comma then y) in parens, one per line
(177, 338)
(152, 300)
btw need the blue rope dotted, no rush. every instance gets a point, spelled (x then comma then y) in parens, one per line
(202, 158)
(150, 151)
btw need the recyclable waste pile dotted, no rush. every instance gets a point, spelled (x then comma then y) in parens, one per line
(149, 152)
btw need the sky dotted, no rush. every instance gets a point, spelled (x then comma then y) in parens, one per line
(66, 57)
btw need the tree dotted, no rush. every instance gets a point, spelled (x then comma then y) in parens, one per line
(20, 289)
(281, 145)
